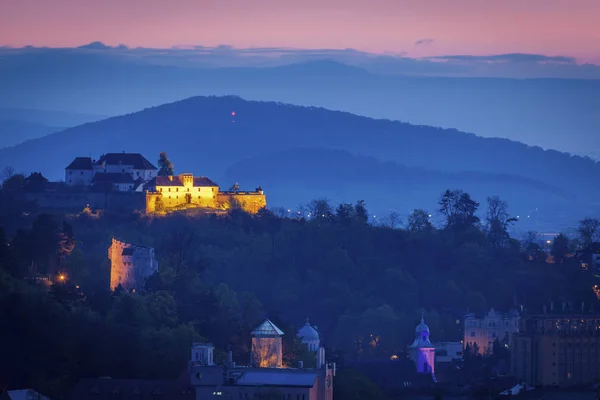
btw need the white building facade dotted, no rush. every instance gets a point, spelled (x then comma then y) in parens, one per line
(124, 171)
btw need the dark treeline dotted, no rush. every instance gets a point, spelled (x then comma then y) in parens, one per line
(364, 286)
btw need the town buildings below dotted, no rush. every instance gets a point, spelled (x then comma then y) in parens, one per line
(557, 349)
(481, 333)
(265, 376)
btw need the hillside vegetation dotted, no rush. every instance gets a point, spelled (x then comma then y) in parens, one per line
(364, 286)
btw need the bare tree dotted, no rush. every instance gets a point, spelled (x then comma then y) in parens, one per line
(393, 220)
(498, 221)
(8, 172)
(320, 208)
(589, 231)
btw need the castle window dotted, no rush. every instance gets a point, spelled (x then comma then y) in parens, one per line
(177, 189)
(199, 196)
(169, 190)
(160, 189)
(213, 189)
(138, 173)
(169, 196)
(198, 189)
(70, 172)
(81, 172)
(123, 170)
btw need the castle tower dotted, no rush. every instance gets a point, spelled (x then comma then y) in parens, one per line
(266, 346)
(130, 265)
(422, 351)
(187, 179)
(309, 336)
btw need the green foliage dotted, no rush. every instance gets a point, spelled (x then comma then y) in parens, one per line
(165, 166)
(350, 384)
(560, 248)
(219, 276)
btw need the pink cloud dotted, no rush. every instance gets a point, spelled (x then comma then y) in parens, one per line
(553, 27)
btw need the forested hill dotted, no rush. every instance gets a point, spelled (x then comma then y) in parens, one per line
(199, 135)
(363, 286)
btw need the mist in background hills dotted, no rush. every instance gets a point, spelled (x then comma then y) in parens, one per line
(301, 153)
(534, 99)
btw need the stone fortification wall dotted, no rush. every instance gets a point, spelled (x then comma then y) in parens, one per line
(77, 201)
(250, 202)
(130, 269)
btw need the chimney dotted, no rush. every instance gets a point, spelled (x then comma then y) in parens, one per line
(544, 309)
(582, 306)
(230, 357)
(551, 306)
(300, 364)
(321, 358)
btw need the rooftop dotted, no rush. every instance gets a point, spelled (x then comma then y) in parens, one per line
(136, 160)
(267, 328)
(83, 163)
(107, 388)
(175, 180)
(269, 377)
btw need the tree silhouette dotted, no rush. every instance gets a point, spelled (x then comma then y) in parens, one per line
(589, 231)
(418, 221)
(165, 166)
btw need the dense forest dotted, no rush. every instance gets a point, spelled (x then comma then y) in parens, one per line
(363, 285)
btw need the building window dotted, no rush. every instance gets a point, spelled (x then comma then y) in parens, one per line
(213, 189)
(81, 173)
(138, 173)
(70, 172)
(123, 170)
(177, 189)
(169, 190)
(160, 189)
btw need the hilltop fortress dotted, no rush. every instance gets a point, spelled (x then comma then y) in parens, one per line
(131, 177)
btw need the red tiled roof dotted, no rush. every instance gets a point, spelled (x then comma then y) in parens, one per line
(136, 160)
(199, 181)
(81, 163)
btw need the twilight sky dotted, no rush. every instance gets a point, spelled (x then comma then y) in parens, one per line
(415, 27)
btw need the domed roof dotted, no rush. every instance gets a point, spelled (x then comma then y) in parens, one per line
(422, 327)
(307, 333)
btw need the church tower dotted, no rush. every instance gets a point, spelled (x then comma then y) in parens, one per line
(309, 336)
(266, 346)
(422, 351)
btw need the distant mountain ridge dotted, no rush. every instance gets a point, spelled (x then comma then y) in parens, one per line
(201, 135)
(551, 113)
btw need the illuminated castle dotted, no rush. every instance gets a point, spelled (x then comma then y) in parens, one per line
(165, 193)
(130, 265)
(132, 173)
(422, 351)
